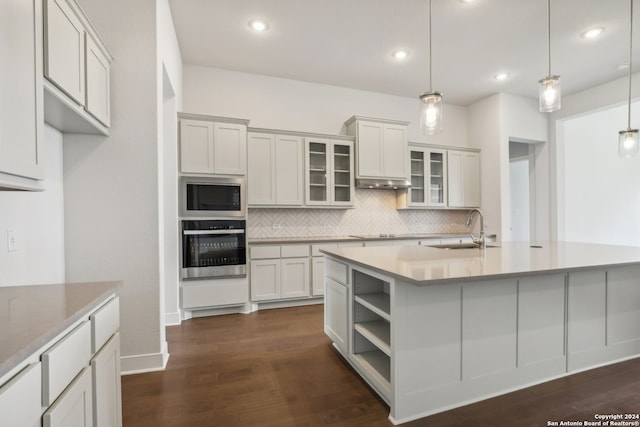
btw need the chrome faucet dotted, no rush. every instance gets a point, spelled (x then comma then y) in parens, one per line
(480, 240)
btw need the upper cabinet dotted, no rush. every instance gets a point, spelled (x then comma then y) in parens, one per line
(77, 71)
(275, 175)
(329, 166)
(428, 178)
(381, 147)
(21, 102)
(464, 179)
(212, 145)
(295, 170)
(441, 177)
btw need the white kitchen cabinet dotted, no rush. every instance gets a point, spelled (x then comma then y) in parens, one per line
(76, 374)
(381, 147)
(107, 393)
(295, 277)
(199, 294)
(211, 146)
(275, 175)
(289, 175)
(20, 399)
(229, 148)
(463, 179)
(441, 177)
(280, 272)
(98, 81)
(265, 279)
(336, 300)
(21, 103)
(64, 49)
(317, 275)
(261, 165)
(329, 172)
(77, 71)
(74, 408)
(428, 176)
(62, 362)
(337, 310)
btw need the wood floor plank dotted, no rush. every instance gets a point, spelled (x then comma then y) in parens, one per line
(277, 368)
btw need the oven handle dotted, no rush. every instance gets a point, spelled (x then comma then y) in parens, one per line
(205, 232)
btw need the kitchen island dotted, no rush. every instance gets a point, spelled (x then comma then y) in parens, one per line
(432, 329)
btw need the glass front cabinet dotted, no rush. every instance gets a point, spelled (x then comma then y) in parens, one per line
(428, 178)
(329, 166)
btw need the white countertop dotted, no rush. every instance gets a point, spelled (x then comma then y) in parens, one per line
(33, 315)
(423, 265)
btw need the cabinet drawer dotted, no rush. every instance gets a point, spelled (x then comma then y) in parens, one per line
(104, 323)
(294, 251)
(214, 293)
(336, 271)
(265, 252)
(20, 399)
(62, 362)
(315, 249)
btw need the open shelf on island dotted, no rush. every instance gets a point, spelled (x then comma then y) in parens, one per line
(378, 332)
(379, 303)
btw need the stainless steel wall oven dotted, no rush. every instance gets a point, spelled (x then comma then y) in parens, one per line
(214, 248)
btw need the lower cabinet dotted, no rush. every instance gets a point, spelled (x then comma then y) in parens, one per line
(75, 381)
(279, 272)
(294, 278)
(336, 305)
(317, 275)
(74, 408)
(107, 392)
(21, 398)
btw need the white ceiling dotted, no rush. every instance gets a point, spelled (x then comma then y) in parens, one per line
(349, 42)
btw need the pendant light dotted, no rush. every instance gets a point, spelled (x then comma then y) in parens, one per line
(628, 138)
(549, 87)
(431, 101)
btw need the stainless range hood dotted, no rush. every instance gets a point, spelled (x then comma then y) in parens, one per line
(382, 184)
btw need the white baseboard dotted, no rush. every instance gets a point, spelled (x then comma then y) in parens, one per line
(142, 363)
(172, 319)
(288, 303)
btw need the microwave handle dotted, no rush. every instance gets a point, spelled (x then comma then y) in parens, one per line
(205, 232)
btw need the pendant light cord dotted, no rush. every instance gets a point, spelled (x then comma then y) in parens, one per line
(430, 62)
(630, 57)
(549, 34)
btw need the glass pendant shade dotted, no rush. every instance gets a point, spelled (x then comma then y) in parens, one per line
(549, 94)
(431, 113)
(628, 143)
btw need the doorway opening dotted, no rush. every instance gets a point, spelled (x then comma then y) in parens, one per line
(522, 189)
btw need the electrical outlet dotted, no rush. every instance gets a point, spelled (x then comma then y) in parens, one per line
(11, 240)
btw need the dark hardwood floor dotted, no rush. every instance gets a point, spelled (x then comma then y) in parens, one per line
(277, 368)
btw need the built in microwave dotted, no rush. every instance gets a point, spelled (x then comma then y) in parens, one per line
(212, 197)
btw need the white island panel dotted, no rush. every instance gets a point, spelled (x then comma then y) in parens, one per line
(489, 313)
(541, 312)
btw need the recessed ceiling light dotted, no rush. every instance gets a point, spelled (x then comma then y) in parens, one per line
(501, 76)
(258, 25)
(467, 1)
(400, 54)
(592, 33)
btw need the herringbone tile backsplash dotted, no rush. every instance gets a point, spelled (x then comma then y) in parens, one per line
(374, 213)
